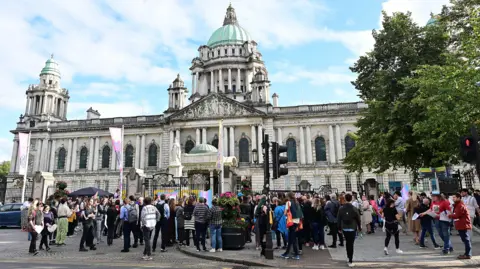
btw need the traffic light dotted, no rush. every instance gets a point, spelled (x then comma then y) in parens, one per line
(277, 160)
(468, 147)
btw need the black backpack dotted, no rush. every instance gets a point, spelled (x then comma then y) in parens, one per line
(161, 209)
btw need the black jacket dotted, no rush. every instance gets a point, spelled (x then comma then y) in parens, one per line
(349, 217)
(425, 220)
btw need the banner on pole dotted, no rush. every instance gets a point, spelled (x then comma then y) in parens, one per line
(117, 138)
(23, 149)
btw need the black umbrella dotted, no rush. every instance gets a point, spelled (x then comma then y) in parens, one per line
(89, 191)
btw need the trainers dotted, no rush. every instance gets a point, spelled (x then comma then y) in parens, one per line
(296, 257)
(219, 250)
(437, 247)
(285, 256)
(332, 246)
(464, 257)
(423, 246)
(212, 250)
(385, 250)
(145, 257)
(315, 247)
(351, 264)
(399, 251)
(322, 247)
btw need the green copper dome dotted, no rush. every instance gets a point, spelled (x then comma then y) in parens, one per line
(51, 68)
(203, 148)
(433, 20)
(231, 33)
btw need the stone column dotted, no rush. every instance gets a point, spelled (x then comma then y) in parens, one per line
(96, 154)
(309, 146)
(331, 145)
(339, 143)
(253, 137)
(197, 77)
(197, 137)
(38, 148)
(32, 105)
(239, 81)
(52, 156)
(212, 84)
(225, 142)
(137, 152)
(229, 79)
(248, 80)
(193, 83)
(73, 165)
(44, 160)
(220, 79)
(69, 156)
(43, 105)
(177, 136)
(259, 144)
(232, 141)
(142, 153)
(13, 163)
(172, 140)
(302, 145)
(91, 151)
(204, 136)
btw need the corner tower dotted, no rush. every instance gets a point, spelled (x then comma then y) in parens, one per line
(47, 100)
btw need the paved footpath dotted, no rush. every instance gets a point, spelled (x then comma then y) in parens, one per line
(14, 254)
(369, 253)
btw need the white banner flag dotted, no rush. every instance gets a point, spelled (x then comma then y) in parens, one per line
(23, 148)
(117, 138)
(220, 145)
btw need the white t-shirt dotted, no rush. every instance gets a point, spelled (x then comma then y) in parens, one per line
(471, 204)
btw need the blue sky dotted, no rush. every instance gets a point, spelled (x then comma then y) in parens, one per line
(119, 56)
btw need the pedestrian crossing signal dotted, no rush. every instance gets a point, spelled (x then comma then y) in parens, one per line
(468, 147)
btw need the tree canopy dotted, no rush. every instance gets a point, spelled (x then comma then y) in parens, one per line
(4, 168)
(420, 86)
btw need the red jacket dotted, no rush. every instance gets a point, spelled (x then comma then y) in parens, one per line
(461, 216)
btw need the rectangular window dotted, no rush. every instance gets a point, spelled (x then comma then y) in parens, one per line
(348, 183)
(50, 82)
(226, 51)
(226, 88)
(234, 88)
(240, 51)
(359, 184)
(379, 178)
(391, 177)
(106, 185)
(328, 180)
(241, 88)
(233, 51)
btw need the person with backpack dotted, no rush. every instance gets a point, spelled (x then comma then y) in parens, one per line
(331, 211)
(149, 218)
(133, 219)
(161, 225)
(348, 224)
(125, 212)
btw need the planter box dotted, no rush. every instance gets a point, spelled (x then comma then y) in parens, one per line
(233, 238)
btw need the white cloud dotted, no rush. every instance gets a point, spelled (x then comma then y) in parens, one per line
(420, 10)
(5, 149)
(289, 73)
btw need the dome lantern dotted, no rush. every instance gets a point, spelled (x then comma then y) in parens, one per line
(231, 33)
(51, 68)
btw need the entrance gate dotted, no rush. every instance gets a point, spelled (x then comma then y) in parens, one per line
(180, 186)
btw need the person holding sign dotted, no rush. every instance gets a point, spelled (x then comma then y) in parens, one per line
(426, 222)
(441, 208)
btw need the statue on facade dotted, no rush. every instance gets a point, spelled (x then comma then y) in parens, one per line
(175, 153)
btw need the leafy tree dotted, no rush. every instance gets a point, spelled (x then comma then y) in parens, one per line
(386, 137)
(449, 92)
(4, 168)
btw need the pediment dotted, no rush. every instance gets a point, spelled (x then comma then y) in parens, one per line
(215, 106)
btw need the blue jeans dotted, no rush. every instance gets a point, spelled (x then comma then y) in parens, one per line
(443, 228)
(29, 236)
(318, 233)
(466, 240)
(429, 229)
(216, 236)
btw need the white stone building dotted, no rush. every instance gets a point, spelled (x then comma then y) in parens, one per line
(229, 82)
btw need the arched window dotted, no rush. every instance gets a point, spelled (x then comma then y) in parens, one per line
(129, 156)
(292, 150)
(106, 157)
(320, 149)
(152, 155)
(61, 159)
(189, 145)
(215, 143)
(243, 150)
(349, 144)
(83, 158)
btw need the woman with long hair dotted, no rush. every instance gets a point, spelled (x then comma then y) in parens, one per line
(391, 217)
(111, 216)
(48, 220)
(35, 217)
(366, 217)
(319, 220)
(292, 207)
(189, 221)
(88, 218)
(171, 239)
(414, 225)
(280, 223)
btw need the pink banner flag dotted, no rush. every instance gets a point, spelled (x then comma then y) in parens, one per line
(117, 138)
(23, 148)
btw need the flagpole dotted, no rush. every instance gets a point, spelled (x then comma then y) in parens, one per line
(121, 167)
(26, 170)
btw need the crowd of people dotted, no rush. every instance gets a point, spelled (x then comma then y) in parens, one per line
(296, 221)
